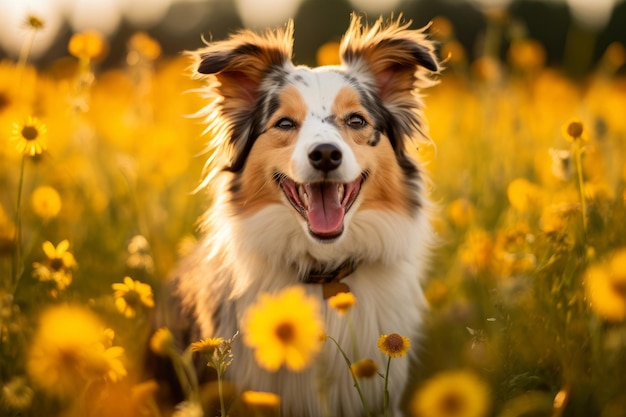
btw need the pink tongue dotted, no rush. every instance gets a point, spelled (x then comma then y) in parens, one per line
(325, 213)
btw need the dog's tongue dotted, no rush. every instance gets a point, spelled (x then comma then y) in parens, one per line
(325, 213)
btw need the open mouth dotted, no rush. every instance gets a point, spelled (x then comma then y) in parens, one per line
(322, 204)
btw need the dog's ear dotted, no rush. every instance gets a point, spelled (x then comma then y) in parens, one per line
(235, 70)
(241, 62)
(390, 52)
(395, 62)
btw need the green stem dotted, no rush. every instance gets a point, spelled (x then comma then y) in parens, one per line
(220, 391)
(356, 382)
(579, 169)
(386, 392)
(17, 267)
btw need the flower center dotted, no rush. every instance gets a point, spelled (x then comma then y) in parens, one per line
(394, 343)
(285, 332)
(452, 404)
(575, 129)
(30, 132)
(56, 264)
(132, 298)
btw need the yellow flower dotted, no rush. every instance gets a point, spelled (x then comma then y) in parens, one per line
(527, 55)
(523, 194)
(34, 22)
(364, 368)
(87, 45)
(260, 399)
(605, 287)
(207, 345)
(131, 296)
(68, 351)
(57, 266)
(452, 394)
(476, 253)
(16, 394)
(461, 212)
(574, 130)
(328, 54)
(394, 345)
(46, 202)
(30, 136)
(162, 342)
(141, 43)
(283, 328)
(342, 302)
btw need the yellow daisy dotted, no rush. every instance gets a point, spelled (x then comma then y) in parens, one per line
(605, 287)
(394, 345)
(68, 351)
(162, 342)
(283, 329)
(88, 45)
(364, 368)
(46, 202)
(574, 130)
(57, 266)
(131, 296)
(261, 399)
(342, 302)
(207, 345)
(452, 394)
(30, 136)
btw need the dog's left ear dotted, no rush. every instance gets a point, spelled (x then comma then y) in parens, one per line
(390, 52)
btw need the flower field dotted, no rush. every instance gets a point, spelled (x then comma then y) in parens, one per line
(527, 287)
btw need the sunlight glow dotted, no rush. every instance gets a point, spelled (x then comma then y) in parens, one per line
(375, 6)
(262, 13)
(591, 14)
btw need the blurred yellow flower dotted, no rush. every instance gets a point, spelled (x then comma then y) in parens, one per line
(342, 302)
(88, 45)
(16, 394)
(452, 394)
(283, 329)
(394, 345)
(131, 296)
(144, 45)
(328, 54)
(364, 368)
(34, 22)
(476, 252)
(162, 342)
(574, 130)
(441, 28)
(260, 399)
(46, 202)
(527, 55)
(57, 266)
(605, 287)
(30, 136)
(67, 352)
(461, 212)
(523, 195)
(7, 233)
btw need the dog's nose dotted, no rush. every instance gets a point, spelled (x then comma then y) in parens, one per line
(325, 157)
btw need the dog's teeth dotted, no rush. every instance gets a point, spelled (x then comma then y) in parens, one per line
(341, 190)
(304, 198)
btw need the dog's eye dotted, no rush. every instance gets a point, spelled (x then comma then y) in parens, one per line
(356, 121)
(285, 123)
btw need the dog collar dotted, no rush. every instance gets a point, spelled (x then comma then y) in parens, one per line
(331, 280)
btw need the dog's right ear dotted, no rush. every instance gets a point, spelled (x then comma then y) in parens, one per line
(241, 62)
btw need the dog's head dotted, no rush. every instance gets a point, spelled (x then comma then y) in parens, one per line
(325, 142)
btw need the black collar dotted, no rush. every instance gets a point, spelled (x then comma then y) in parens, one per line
(321, 276)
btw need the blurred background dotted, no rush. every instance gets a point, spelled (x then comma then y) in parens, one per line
(574, 33)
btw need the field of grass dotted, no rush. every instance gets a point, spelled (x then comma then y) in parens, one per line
(527, 288)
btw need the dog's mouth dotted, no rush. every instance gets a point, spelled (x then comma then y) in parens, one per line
(322, 204)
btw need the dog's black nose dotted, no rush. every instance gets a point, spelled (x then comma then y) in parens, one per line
(325, 157)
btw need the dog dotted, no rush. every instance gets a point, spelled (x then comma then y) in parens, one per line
(313, 184)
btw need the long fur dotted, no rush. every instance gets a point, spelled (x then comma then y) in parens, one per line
(254, 241)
